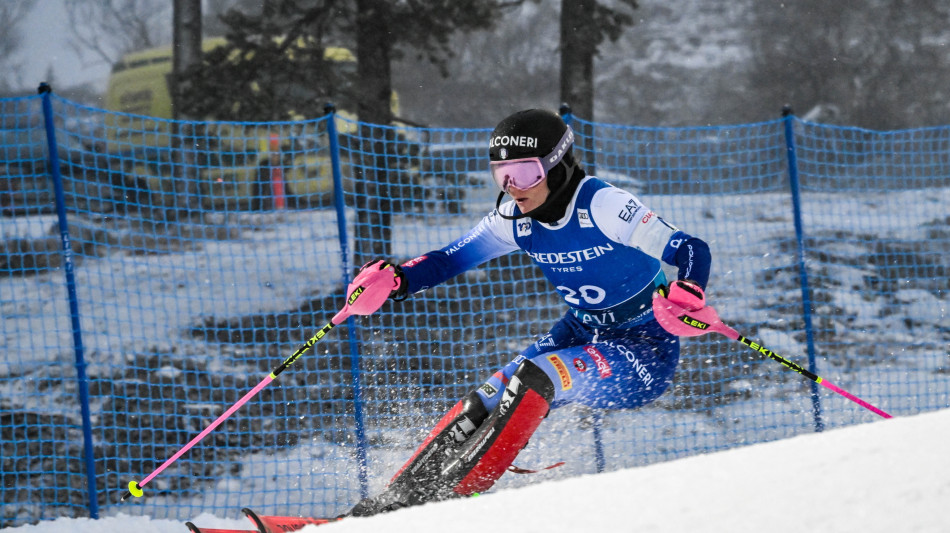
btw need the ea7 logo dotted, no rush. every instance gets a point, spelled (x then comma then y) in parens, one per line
(546, 340)
(627, 213)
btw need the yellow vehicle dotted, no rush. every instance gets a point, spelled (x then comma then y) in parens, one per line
(138, 83)
(244, 166)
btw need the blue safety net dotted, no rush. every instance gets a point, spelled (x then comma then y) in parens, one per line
(152, 272)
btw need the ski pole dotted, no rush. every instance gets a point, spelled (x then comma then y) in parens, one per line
(758, 347)
(135, 487)
(366, 294)
(706, 320)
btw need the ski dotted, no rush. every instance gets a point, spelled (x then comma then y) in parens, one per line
(282, 524)
(195, 529)
(267, 524)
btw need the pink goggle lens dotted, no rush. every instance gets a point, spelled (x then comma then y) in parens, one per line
(520, 173)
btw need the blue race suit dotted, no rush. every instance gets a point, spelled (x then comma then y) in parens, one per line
(604, 257)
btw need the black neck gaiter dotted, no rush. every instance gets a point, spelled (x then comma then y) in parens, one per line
(555, 206)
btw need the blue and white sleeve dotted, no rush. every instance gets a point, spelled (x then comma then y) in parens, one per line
(622, 217)
(491, 238)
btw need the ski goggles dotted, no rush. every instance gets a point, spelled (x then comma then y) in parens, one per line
(528, 172)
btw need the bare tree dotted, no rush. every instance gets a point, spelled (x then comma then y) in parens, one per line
(373, 63)
(214, 11)
(186, 52)
(585, 24)
(881, 63)
(493, 72)
(384, 29)
(12, 13)
(110, 29)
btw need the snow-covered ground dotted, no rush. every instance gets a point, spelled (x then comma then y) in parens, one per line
(889, 347)
(887, 476)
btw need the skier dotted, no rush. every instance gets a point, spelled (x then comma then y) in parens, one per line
(602, 248)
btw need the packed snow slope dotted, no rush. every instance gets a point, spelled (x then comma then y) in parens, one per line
(888, 476)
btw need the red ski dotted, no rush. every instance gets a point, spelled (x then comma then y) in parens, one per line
(267, 524)
(195, 529)
(282, 524)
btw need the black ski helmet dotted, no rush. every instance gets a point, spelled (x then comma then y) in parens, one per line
(536, 133)
(530, 133)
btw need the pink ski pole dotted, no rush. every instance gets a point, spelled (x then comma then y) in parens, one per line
(758, 347)
(684, 323)
(365, 295)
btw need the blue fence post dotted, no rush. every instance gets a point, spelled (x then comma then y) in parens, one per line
(565, 111)
(361, 442)
(788, 117)
(583, 141)
(53, 160)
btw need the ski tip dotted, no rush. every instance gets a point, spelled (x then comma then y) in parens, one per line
(252, 516)
(269, 524)
(195, 529)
